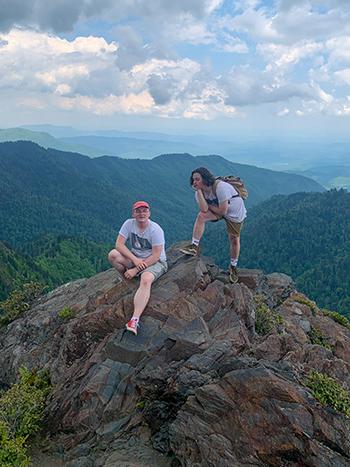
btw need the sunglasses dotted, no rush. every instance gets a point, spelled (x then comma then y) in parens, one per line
(141, 210)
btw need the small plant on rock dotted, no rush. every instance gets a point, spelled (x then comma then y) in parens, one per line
(266, 319)
(329, 392)
(300, 298)
(19, 301)
(317, 337)
(66, 313)
(21, 412)
(337, 317)
(12, 450)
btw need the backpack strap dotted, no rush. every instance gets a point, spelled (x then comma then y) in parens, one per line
(215, 184)
(217, 180)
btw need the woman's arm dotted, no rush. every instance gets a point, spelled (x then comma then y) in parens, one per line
(220, 210)
(203, 205)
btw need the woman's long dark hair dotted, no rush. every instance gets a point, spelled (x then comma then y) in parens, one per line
(207, 177)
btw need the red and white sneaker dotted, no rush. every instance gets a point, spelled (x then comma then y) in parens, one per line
(132, 325)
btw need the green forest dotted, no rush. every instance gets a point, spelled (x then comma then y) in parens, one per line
(304, 235)
(45, 191)
(60, 213)
(51, 261)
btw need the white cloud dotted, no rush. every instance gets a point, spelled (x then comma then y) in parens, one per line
(295, 54)
(83, 74)
(190, 31)
(283, 56)
(339, 50)
(62, 15)
(45, 63)
(283, 112)
(253, 22)
(343, 76)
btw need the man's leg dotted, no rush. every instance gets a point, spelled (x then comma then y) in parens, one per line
(143, 293)
(198, 231)
(118, 261)
(141, 299)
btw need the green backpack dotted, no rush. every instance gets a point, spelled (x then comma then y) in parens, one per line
(236, 182)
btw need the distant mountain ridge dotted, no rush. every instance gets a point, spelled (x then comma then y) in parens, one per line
(47, 191)
(127, 147)
(45, 140)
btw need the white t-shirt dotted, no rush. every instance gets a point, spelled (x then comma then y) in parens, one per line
(143, 241)
(224, 191)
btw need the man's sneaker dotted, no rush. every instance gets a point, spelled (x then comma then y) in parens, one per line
(132, 325)
(191, 250)
(233, 274)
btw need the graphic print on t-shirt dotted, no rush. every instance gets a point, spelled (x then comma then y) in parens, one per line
(139, 243)
(212, 202)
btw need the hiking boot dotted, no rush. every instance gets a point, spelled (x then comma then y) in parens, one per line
(191, 250)
(132, 325)
(233, 276)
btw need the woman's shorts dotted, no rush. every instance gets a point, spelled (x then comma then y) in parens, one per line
(233, 228)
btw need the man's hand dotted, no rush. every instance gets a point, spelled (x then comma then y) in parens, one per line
(140, 264)
(130, 273)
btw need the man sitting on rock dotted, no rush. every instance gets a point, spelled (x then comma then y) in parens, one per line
(146, 257)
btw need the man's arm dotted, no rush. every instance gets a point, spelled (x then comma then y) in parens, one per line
(220, 210)
(124, 250)
(156, 252)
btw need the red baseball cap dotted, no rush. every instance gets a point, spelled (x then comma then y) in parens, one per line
(140, 204)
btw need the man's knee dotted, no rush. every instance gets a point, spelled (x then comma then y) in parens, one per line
(116, 260)
(146, 279)
(113, 256)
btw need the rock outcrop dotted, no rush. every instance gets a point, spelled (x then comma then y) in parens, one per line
(198, 386)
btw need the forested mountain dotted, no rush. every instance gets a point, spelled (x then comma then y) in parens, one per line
(330, 176)
(51, 260)
(44, 191)
(305, 235)
(46, 140)
(16, 269)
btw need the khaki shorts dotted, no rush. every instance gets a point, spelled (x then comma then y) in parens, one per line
(157, 269)
(233, 228)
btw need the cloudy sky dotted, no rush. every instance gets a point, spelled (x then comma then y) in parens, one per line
(176, 65)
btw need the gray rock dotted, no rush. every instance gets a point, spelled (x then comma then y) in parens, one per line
(197, 385)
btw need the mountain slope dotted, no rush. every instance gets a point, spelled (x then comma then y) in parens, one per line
(305, 235)
(51, 260)
(46, 140)
(16, 269)
(48, 191)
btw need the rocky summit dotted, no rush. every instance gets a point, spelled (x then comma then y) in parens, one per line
(215, 377)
